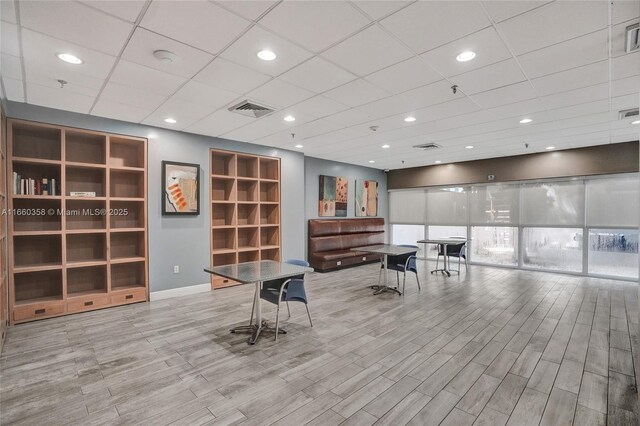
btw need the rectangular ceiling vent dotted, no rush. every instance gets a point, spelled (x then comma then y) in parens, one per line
(426, 146)
(628, 113)
(632, 39)
(251, 109)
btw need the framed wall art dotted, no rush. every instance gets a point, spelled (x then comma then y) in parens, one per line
(180, 188)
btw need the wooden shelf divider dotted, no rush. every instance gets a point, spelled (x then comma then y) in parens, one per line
(245, 209)
(75, 254)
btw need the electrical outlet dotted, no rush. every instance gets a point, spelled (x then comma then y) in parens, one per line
(176, 269)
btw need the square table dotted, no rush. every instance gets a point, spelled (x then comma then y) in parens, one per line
(385, 250)
(444, 242)
(256, 273)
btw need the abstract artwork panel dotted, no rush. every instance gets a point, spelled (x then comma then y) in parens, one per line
(333, 195)
(366, 198)
(181, 188)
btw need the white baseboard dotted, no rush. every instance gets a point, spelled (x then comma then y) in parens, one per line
(180, 291)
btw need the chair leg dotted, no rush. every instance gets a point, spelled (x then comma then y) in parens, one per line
(308, 314)
(253, 308)
(466, 265)
(277, 320)
(437, 260)
(288, 310)
(380, 275)
(404, 279)
(397, 279)
(418, 280)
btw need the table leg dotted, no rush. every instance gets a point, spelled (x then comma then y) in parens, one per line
(445, 268)
(385, 287)
(260, 326)
(446, 261)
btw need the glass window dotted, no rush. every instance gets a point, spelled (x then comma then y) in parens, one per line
(613, 252)
(553, 203)
(443, 232)
(552, 248)
(494, 204)
(494, 244)
(406, 206)
(447, 206)
(613, 201)
(408, 234)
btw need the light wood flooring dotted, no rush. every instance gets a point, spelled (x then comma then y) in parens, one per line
(491, 347)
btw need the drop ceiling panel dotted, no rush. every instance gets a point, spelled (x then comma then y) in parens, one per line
(625, 102)
(553, 23)
(145, 78)
(625, 66)
(249, 9)
(356, 93)
(265, 126)
(143, 43)
(524, 109)
(244, 52)
(566, 55)
(208, 96)
(578, 96)
(403, 76)
(623, 10)
(229, 76)
(219, 122)
(11, 66)
(9, 39)
(123, 9)
(350, 117)
(490, 77)
(368, 51)
(314, 25)
(132, 96)
(318, 106)
(8, 11)
(199, 24)
(184, 112)
(77, 23)
(58, 99)
(431, 94)
(277, 93)
(14, 89)
(625, 86)
(425, 25)
(76, 83)
(574, 78)
(396, 104)
(619, 37)
(317, 75)
(501, 10)
(119, 111)
(378, 9)
(505, 95)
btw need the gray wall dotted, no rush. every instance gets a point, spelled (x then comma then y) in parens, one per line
(314, 167)
(185, 241)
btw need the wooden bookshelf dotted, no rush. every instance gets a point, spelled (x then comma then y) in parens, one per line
(245, 209)
(4, 287)
(92, 252)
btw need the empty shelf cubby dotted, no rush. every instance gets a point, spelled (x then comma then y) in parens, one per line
(126, 184)
(126, 214)
(36, 142)
(86, 214)
(248, 238)
(86, 247)
(270, 236)
(269, 214)
(86, 280)
(248, 256)
(247, 190)
(223, 164)
(83, 147)
(247, 166)
(37, 287)
(223, 189)
(127, 245)
(269, 192)
(50, 218)
(223, 214)
(223, 259)
(269, 169)
(270, 254)
(247, 214)
(33, 251)
(128, 275)
(223, 239)
(124, 152)
(85, 179)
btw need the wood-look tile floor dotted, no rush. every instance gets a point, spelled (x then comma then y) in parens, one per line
(491, 347)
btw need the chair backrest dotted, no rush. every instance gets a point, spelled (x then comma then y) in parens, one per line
(295, 291)
(297, 262)
(456, 250)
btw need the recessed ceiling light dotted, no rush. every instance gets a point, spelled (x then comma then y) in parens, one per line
(469, 147)
(410, 119)
(170, 120)
(549, 148)
(371, 161)
(525, 121)
(438, 161)
(299, 146)
(385, 146)
(289, 118)
(635, 122)
(266, 55)
(69, 58)
(466, 56)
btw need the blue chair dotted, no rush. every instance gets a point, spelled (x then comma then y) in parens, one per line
(402, 263)
(454, 250)
(289, 290)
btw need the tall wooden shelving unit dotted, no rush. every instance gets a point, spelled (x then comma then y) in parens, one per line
(245, 209)
(78, 258)
(4, 290)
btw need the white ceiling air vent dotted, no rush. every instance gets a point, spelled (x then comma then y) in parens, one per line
(426, 146)
(632, 39)
(251, 109)
(627, 113)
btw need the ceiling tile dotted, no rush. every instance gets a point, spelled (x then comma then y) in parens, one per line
(530, 108)
(11, 66)
(144, 78)
(77, 23)
(58, 99)
(501, 10)
(261, 127)
(575, 78)
(623, 10)
(378, 9)
(203, 94)
(368, 51)
(9, 39)
(14, 89)
(625, 102)
(228, 76)
(444, 110)
(349, 117)
(424, 25)
(315, 25)
(392, 105)
(8, 11)
(404, 76)
(248, 9)
(578, 96)
(132, 96)
(505, 95)
(625, 86)
(124, 9)
(553, 23)
(563, 56)
(490, 77)
(144, 43)
(486, 44)
(619, 37)
(118, 111)
(184, 112)
(219, 122)
(625, 66)
(317, 75)
(75, 83)
(318, 106)
(244, 52)
(277, 93)
(199, 24)
(431, 94)
(356, 93)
